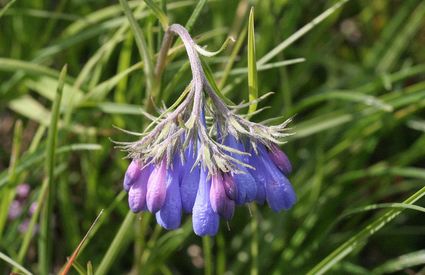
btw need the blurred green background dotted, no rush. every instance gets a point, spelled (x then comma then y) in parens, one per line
(358, 152)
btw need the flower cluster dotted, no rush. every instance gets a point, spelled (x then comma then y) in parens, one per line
(203, 158)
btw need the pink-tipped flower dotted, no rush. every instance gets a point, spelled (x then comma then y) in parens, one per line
(220, 202)
(280, 160)
(157, 187)
(138, 190)
(132, 174)
(229, 186)
(205, 220)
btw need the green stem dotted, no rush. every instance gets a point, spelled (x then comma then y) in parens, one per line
(45, 240)
(254, 240)
(221, 255)
(206, 243)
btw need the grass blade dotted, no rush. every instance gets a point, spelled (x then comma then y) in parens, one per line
(163, 19)
(298, 34)
(141, 45)
(6, 7)
(10, 261)
(45, 243)
(346, 248)
(194, 16)
(77, 250)
(8, 195)
(117, 245)
(252, 64)
(400, 263)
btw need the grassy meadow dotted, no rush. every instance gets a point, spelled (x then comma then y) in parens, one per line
(351, 73)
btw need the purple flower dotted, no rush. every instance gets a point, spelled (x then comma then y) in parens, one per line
(205, 220)
(169, 216)
(189, 180)
(279, 192)
(220, 201)
(245, 183)
(280, 159)
(229, 186)
(156, 189)
(202, 157)
(132, 174)
(138, 189)
(259, 176)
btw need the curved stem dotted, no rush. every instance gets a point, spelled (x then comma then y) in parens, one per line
(195, 63)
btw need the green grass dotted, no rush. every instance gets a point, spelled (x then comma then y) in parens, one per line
(352, 74)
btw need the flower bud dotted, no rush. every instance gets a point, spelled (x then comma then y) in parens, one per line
(259, 176)
(245, 183)
(220, 202)
(205, 220)
(132, 174)
(137, 192)
(189, 181)
(279, 192)
(156, 191)
(229, 186)
(280, 160)
(169, 216)
(217, 193)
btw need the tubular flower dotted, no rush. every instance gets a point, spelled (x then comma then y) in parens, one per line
(202, 157)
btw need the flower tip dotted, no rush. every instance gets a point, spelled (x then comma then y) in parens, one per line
(280, 159)
(230, 186)
(205, 220)
(169, 217)
(137, 196)
(156, 188)
(220, 202)
(132, 174)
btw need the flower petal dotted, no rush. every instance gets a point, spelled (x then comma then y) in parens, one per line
(190, 181)
(217, 193)
(205, 220)
(230, 186)
(279, 192)
(132, 174)
(137, 192)
(259, 176)
(169, 216)
(280, 159)
(245, 183)
(220, 203)
(156, 192)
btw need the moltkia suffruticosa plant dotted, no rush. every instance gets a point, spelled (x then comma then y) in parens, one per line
(203, 158)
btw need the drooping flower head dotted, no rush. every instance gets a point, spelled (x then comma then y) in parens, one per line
(204, 158)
